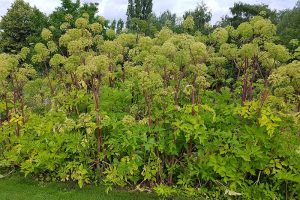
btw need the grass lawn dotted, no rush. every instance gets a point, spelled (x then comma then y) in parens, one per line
(20, 188)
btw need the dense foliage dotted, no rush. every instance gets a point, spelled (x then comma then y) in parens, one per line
(21, 26)
(213, 116)
(288, 27)
(242, 12)
(201, 16)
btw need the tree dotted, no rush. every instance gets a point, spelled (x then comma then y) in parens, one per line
(289, 25)
(20, 26)
(69, 11)
(140, 9)
(130, 12)
(242, 12)
(201, 16)
(120, 26)
(113, 25)
(167, 19)
(189, 24)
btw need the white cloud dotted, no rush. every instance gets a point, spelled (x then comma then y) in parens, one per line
(113, 9)
(44, 5)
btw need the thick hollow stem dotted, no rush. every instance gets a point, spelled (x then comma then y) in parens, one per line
(6, 107)
(245, 85)
(190, 148)
(177, 90)
(98, 123)
(48, 77)
(15, 107)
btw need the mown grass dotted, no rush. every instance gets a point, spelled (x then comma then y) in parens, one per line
(19, 188)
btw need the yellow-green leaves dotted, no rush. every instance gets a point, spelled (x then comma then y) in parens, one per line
(57, 60)
(52, 46)
(101, 20)
(264, 116)
(263, 27)
(64, 26)
(250, 110)
(158, 61)
(64, 40)
(230, 51)
(189, 24)
(126, 40)
(68, 17)
(72, 63)
(294, 42)
(218, 61)
(16, 119)
(81, 23)
(201, 76)
(76, 40)
(182, 58)
(287, 75)
(165, 191)
(7, 64)
(149, 81)
(24, 53)
(145, 43)
(164, 35)
(278, 52)
(168, 49)
(111, 48)
(269, 120)
(75, 47)
(198, 52)
(128, 120)
(248, 50)
(96, 28)
(23, 74)
(86, 15)
(245, 30)
(10, 66)
(111, 34)
(80, 174)
(46, 34)
(98, 63)
(41, 53)
(220, 35)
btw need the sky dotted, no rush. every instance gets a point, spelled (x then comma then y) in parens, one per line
(115, 9)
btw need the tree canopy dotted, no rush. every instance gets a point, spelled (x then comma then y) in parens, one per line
(242, 12)
(20, 26)
(201, 16)
(288, 27)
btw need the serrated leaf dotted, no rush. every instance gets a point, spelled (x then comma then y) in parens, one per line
(232, 193)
